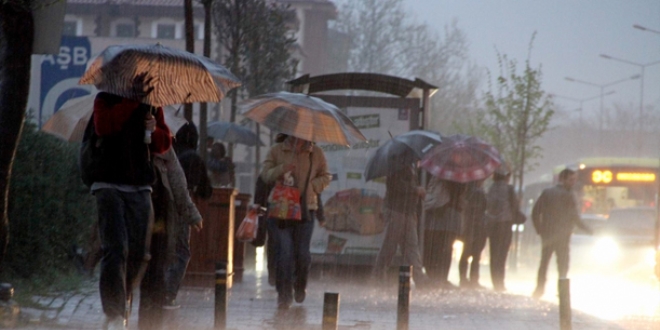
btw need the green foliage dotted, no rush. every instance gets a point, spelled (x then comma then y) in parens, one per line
(517, 114)
(259, 47)
(49, 208)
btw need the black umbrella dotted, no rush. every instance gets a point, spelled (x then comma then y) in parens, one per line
(233, 133)
(400, 151)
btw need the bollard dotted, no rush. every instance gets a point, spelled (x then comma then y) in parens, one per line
(330, 311)
(403, 312)
(220, 295)
(565, 316)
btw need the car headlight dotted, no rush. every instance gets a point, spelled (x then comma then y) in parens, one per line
(606, 249)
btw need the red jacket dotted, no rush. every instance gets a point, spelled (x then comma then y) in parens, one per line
(109, 118)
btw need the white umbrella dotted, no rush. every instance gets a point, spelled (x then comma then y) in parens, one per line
(69, 122)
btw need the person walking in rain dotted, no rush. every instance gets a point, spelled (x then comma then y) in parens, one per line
(554, 216)
(402, 196)
(474, 234)
(443, 224)
(306, 163)
(117, 164)
(500, 206)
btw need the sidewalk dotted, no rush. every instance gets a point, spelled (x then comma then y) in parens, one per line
(252, 305)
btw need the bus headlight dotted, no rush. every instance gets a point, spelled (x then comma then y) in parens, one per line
(606, 249)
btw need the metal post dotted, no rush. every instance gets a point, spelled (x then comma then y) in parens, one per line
(330, 311)
(220, 295)
(565, 316)
(403, 308)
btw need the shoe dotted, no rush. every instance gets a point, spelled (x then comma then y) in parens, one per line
(299, 295)
(283, 304)
(115, 323)
(538, 293)
(171, 304)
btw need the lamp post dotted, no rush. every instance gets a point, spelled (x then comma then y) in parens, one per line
(641, 94)
(643, 28)
(602, 96)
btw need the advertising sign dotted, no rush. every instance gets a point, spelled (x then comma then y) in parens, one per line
(60, 74)
(352, 206)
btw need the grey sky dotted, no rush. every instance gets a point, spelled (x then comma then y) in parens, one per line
(570, 36)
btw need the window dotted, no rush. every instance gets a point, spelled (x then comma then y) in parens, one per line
(125, 30)
(70, 28)
(165, 31)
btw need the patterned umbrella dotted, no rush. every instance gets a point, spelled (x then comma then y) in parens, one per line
(175, 75)
(69, 122)
(399, 151)
(302, 116)
(462, 158)
(233, 133)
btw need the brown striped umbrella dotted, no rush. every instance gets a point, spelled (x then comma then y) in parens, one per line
(302, 116)
(176, 76)
(69, 122)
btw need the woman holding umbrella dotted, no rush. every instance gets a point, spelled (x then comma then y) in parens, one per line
(306, 163)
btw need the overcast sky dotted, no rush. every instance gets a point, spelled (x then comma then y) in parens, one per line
(570, 36)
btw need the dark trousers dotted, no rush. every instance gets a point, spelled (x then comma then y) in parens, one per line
(438, 249)
(292, 258)
(152, 286)
(499, 236)
(560, 246)
(178, 262)
(125, 232)
(473, 246)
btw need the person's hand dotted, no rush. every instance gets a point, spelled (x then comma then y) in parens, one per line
(150, 122)
(141, 86)
(421, 192)
(198, 225)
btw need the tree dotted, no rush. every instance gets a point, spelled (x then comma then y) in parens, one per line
(383, 38)
(517, 114)
(16, 36)
(255, 36)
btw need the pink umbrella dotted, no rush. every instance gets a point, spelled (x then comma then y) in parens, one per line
(462, 158)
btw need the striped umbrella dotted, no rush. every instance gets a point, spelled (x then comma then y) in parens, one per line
(69, 122)
(176, 76)
(302, 116)
(462, 158)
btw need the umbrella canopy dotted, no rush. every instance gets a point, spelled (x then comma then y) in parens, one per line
(462, 158)
(70, 120)
(232, 133)
(302, 116)
(175, 75)
(400, 151)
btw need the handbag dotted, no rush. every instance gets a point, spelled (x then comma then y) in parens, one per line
(247, 231)
(284, 203)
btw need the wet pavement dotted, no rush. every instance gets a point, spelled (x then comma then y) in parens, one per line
(363, 305)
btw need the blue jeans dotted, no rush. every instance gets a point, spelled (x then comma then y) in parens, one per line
(176, 269)
(125, 232)
(291, 255)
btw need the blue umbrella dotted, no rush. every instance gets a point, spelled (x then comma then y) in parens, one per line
(232, 133)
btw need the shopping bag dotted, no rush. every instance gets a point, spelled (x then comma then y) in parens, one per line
(247, 231)
(284, 203)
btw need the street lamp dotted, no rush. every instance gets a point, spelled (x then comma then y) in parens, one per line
(639, 27)
(602, 95)
(581, 101)
(641, 94)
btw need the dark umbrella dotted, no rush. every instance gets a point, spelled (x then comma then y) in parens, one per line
(233, 133)
(462, 158)
(400, 151)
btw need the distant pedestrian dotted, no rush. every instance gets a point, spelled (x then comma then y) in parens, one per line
(402, 197)
(220, 166)
(474, 234)
(500, 207)
(443, 224)
(306, 164)
(555, 214)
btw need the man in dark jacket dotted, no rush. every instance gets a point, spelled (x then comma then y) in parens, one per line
(402, 197)
(554, 215)
(126, 133)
